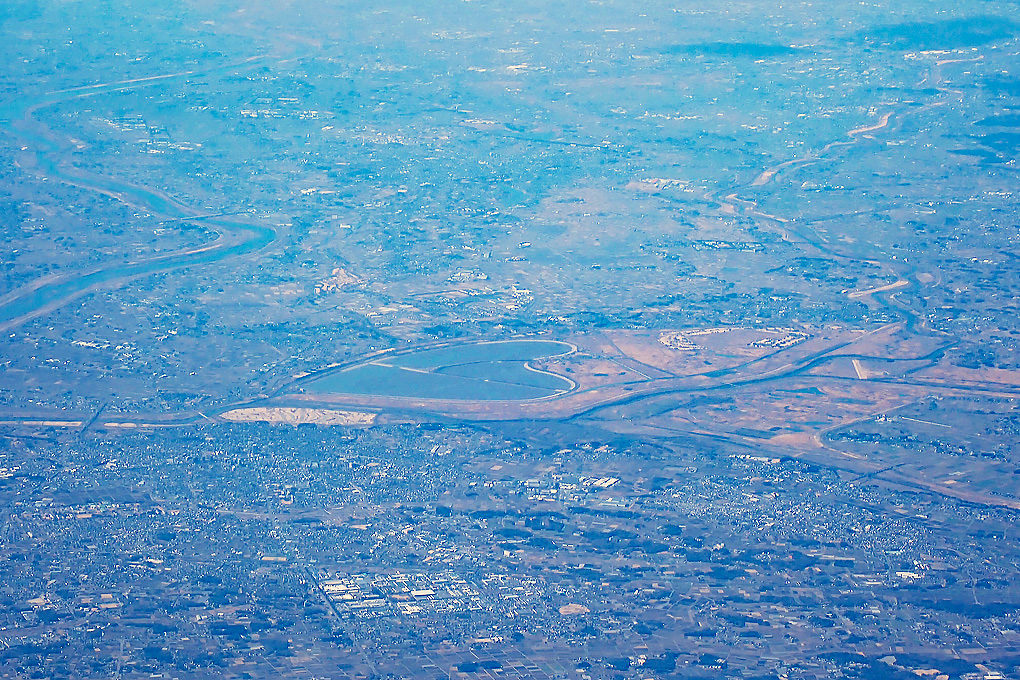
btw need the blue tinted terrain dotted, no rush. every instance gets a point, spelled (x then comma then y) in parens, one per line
(609, 340)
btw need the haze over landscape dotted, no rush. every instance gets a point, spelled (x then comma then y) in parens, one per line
(596, 340)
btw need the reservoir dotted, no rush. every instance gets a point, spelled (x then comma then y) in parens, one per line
(486, 371)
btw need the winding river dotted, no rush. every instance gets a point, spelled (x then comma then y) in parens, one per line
(40, 154)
